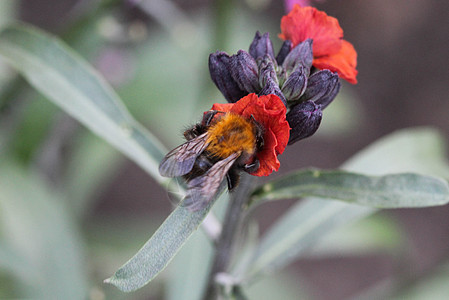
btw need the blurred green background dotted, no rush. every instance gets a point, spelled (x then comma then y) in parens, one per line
(74, 209)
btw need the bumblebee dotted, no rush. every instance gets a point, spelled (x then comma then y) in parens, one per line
(221, 145)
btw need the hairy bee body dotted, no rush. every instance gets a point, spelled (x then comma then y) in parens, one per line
(231, 134)
(222, 145)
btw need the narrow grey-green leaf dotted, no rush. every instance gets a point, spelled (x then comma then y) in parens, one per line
(378, 233)
(432, 285)
(160, 249)
(299, 229)
(39, 237)
(419, 150)
(189, 269)
(389, 191)
(15, 263)
(67, 80)
(284, 285)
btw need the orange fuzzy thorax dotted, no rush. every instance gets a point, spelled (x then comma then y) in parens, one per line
(230, 134)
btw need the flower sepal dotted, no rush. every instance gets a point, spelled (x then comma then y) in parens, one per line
(301, 55)
(267, 70)
(272, 88)
(304, 120)
(261, 46)
(322, 88)
(295, 85)
(244, 71)
(220, 71)
(284, 51)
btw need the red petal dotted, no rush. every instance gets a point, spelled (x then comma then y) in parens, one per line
(330, 51)
(273, 119)
(308, 22)
(241, 105)
(344, 62)
(225, 107)
(270, 112)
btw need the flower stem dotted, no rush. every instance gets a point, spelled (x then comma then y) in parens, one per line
(231, 226)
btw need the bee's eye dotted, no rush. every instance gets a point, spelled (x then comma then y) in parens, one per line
(258, 131)
(259, 143)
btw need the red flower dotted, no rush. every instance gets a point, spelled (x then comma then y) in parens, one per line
(269, 111)
(330, 51)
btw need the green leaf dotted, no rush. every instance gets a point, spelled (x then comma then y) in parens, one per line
(189, 269)
(69, 82)
(389, 191)
(298, 229)
(15, 263)
(160, 249)
(8, 11)
(93, 156)
(377, 233)
(40, 243)
(285, 286)
(431, 285)
(419, 150)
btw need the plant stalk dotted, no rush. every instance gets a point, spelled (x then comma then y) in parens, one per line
(231, 225)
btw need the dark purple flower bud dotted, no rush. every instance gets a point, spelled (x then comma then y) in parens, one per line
(295, 84)
(283, 52)
(219, 68)
(245, 72)
(261, 46)
(304, 120)
(266, 70)
(301, 55)
(272, 88)
(322, 88)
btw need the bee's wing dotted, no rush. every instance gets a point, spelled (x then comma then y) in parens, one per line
(180, 160)
(202, 189)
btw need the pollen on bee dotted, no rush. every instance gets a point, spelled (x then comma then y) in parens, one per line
(230, 134)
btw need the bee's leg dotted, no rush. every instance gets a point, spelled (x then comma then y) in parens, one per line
(232, 178)
(209, 116)
(252, 167)
(195, 131)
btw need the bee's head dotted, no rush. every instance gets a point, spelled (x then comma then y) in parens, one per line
(258, 133)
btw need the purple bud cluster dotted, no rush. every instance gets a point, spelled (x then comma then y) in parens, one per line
(304, 90)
